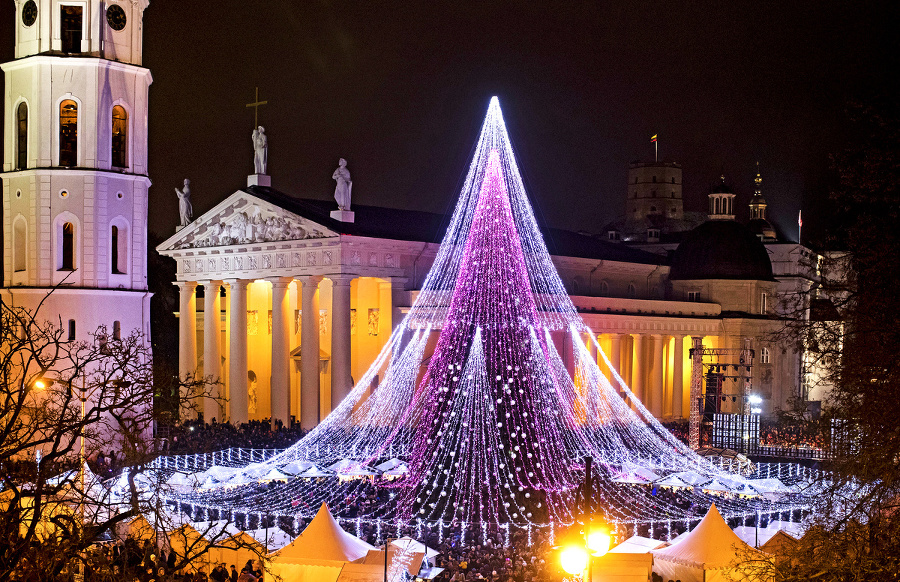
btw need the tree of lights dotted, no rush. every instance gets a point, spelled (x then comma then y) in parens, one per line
(492, 425)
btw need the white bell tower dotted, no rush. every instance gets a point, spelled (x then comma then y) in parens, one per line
(75, 165)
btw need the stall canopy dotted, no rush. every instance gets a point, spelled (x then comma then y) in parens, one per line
(708, 553)
(323, 539)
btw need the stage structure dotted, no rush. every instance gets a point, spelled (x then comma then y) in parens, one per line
(487, 428)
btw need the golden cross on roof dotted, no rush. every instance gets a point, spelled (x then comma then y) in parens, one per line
(255, 105)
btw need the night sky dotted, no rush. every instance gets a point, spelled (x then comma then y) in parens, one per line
(400, 90)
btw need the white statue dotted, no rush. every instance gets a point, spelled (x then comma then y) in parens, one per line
(185, 210)
(344, 184)
(260, 150)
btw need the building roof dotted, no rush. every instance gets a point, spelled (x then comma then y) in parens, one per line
(721, 249)
(413, 225)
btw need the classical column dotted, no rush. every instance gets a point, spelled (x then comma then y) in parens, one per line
(212, 353)
(592, 346)
(637, 370)
(615, 357)
(341, 381)
(280, 388)
(237, 358)
(656, 377)
(187, 329)
(309, 351)
(678, 378)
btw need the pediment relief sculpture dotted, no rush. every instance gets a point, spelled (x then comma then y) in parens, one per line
(254, 225)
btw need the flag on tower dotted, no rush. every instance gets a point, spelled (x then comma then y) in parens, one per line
(800, 219)
(653, 139)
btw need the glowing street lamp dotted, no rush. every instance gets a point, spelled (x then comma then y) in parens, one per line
(574, 559)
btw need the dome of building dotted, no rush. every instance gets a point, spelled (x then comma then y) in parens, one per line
(763, 229)
(721, 249)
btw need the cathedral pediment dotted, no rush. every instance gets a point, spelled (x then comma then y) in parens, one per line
(242, 218)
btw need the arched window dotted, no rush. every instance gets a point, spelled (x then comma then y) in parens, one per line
(765, 357)
(67, 258)
(22, 136)
(119, 137)
(632, 290)
(20, 248)
(118, 250)
(604, 288)
(71, 330)
(718, 206)
(68, 133)
(70, 21)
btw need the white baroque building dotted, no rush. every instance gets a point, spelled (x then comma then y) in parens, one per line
(75, 166)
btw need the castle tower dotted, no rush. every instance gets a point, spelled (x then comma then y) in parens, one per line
(721, 202)
(75, 165)
(759, 224)
(654, 188)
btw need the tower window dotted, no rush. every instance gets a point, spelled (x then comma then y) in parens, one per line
(118, 250)
(673, 180)
(67, 259)
(654, 179)
(68, 133)
(632, 290)
(71, 330)
(19, 245)
(119, 137)
(117, 330)
(673, 193)
(693, 296)
(763, 302)
(653, 194)
(70, 24)
(764, 357)
(22, 136)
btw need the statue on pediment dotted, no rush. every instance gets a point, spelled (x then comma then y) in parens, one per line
(344, 185)
(185, 210)
(260, 150)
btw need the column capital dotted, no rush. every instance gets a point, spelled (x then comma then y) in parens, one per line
(241, 283)
(280, 281)
(309, 279)
(208, 282)
(342, 279)
(185, 284)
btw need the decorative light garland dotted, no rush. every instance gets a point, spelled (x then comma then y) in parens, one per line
(494, 429)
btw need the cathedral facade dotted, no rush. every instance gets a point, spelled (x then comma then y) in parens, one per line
(287, 302)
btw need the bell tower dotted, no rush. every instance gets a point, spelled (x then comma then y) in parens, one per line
(74, 174)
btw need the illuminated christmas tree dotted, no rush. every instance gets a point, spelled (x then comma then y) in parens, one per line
(491, 425)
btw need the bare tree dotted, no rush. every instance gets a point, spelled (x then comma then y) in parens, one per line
(851, 339)
(62, 403)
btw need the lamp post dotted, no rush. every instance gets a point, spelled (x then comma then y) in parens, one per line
(577, 558)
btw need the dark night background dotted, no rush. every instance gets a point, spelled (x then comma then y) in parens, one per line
(400, 90)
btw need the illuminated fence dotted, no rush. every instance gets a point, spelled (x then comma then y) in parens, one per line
(231, 457)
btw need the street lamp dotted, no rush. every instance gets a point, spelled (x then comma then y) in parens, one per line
(576, 558)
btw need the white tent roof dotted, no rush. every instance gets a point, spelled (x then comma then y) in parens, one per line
(409, 544)
(716, 486)
(672, 481)
(390, 464)
(273, 538)
(220, 473)
(691, 478)
(710, 546)
(315, 472)
(323, 539)
(352, 468)
(642, 472)
(638, 545)
(296, 467)
(274, 475)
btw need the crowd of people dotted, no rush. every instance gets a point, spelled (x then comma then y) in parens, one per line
(195, 436)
